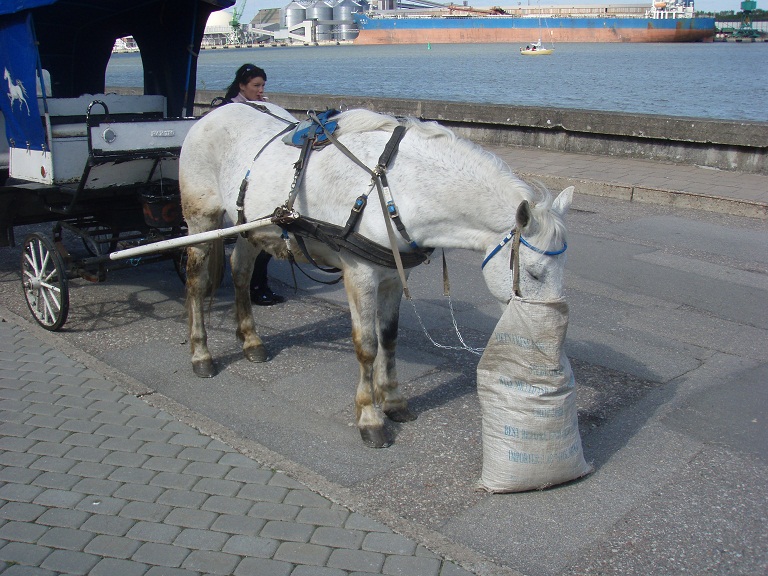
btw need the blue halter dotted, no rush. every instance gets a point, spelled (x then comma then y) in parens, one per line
(524, 242)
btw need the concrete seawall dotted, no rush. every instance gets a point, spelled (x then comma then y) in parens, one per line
(722, 144)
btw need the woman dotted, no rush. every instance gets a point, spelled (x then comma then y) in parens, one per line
(247, 86)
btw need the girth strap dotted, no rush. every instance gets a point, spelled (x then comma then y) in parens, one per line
(332, 236)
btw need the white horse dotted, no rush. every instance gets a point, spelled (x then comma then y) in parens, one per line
(16, 91)
(450, 194)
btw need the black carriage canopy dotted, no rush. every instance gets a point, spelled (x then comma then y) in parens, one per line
(75, 40)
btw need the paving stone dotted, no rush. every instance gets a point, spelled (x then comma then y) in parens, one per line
(192, 439)
(64, 518)
(111, 525)
(122, 444)
(160, 449)
(189, 518)
(150, 435)
(200, 454)
(263, 567)
(408, 565)
(157, 571)
(56, 480)
(58, 498)
(22, 532)
(132, 475)
(19, 570)
(20, 493)
(226, 505)
(210, 562)
(52, 464)
(303, 553)
(273, 511)
(92, 469)
(112, 546)
(17, 459)
(66, 538)
(240, 473)
(251, 546)
(172, 480)
(389, 544)
(263, 493)
(118, 567)
(18, 475)
(235, 524)
(15, 444)
(22, 553)
(154, 532)
(162, 464)
(101, 505)
(356, 560)
(217, 486)
(140, 492)
(161, 555)
(317, 571)
(49, 448)
(289, 531)
(96, 486)
(21, 511)
(145, 511)
(338, 538)
(201, 539)
(70, 562)
(86, 454)
(206, 469)
(280, 479)
(145, 422)
(78, 425)
(110, 417)
(181, 498)
(322, 517)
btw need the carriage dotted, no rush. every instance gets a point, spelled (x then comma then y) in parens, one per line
(102, 167)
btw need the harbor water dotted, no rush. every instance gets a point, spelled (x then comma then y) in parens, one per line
(714, 80)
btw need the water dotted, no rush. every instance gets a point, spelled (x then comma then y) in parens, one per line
(716, 80)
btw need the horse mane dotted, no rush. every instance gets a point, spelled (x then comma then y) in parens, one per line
(488, 170)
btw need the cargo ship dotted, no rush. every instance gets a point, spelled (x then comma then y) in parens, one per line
(661, 22)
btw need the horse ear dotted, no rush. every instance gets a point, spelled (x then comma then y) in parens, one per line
(524, 215)
(563, 201)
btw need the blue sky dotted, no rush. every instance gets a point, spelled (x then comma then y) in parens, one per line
(253, 6)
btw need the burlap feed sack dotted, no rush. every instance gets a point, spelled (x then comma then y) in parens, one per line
(528, 398)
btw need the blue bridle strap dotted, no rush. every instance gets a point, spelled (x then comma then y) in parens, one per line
(508, 237)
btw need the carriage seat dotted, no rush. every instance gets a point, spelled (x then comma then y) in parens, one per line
(68, 115)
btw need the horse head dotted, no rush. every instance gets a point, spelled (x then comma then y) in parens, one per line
(6, 74)
(539, 253)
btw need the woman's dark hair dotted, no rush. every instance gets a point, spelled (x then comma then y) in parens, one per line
(244, 74)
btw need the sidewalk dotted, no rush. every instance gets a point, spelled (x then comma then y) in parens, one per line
(735, 193)
(101, 475)
(98, 480)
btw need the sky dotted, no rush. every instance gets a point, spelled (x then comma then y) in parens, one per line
(253, 6)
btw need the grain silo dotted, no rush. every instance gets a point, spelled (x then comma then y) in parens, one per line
(342, 12)
(293, 14)
(322, 11)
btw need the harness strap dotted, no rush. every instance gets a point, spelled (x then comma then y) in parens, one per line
(514, 263)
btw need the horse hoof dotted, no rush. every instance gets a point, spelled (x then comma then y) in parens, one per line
(256, 354)
(376, 437)
(204, 368)
(400, 415)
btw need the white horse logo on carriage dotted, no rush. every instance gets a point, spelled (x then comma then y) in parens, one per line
(16, 91)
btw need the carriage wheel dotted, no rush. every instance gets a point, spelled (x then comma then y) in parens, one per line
(45, 283)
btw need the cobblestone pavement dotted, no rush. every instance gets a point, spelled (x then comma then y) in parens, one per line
(94, 480)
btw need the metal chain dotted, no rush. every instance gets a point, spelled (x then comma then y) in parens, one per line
(464, 346)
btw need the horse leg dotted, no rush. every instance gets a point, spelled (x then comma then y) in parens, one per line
(243, 257)
(361, 293)
(388, 395)
(199, 285)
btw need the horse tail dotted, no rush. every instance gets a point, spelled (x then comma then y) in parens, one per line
(216, 263)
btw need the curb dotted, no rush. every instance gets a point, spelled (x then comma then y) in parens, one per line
(645, 195)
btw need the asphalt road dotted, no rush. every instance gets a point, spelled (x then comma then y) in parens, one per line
(667, 339)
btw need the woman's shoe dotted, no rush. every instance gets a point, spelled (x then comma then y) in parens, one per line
(265, 297)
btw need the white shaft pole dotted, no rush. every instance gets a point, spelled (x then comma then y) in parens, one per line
(199, 238)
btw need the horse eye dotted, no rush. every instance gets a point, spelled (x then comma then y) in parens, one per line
(534, 275)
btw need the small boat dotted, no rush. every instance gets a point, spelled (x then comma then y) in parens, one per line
(536, 49)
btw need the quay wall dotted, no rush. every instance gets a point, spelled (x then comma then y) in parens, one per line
(723, 144)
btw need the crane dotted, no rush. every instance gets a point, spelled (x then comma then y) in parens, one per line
(237, 36)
